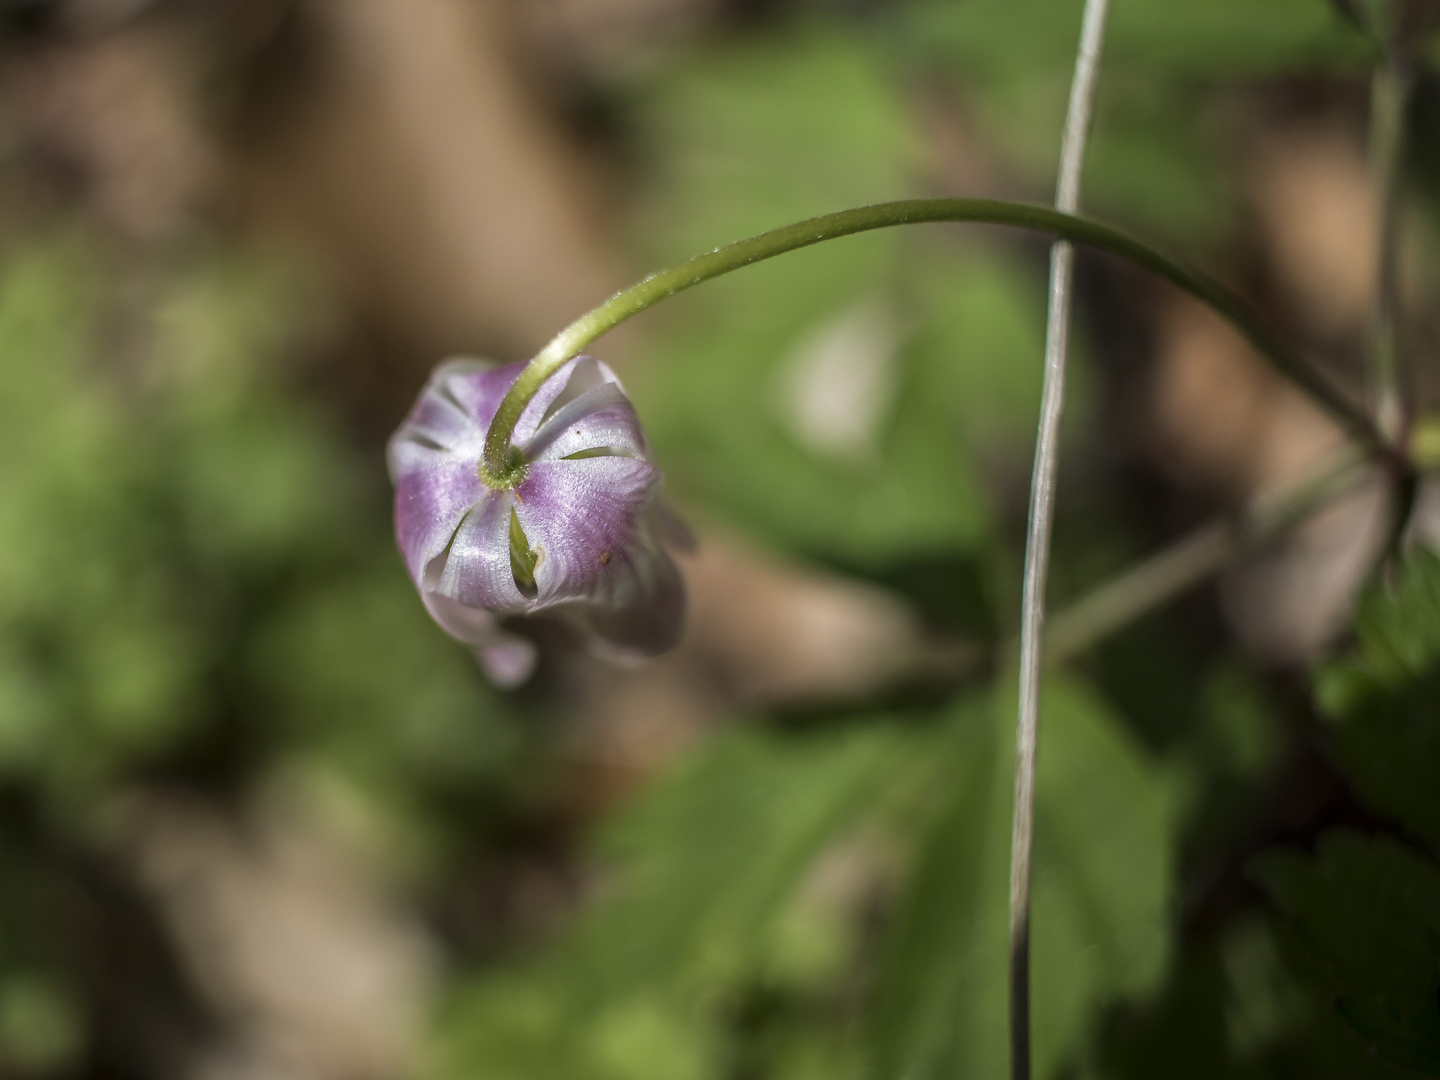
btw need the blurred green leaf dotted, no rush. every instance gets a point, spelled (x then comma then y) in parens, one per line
(946, 946)
(1158, 157)
(522, 1025)
(1241, 725)
(374, 706)
(759, 133)
(943, 336)
(1385, 699)
(961, 390)
(1397, 632)
(1390, 750)
(40, 1027)
(357, 663)
(1363, 915)
(1104, 851)
(1232, 1008)
(708, 857)
(190, 563)
(709, 906)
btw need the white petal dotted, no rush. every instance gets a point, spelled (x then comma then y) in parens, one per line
(477, 570)
(600, 419)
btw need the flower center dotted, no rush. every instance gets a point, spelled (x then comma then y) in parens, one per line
(508, 478)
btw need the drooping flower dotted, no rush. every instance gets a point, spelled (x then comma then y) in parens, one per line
(578, 538)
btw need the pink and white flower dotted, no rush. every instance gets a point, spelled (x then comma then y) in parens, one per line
(577, 538)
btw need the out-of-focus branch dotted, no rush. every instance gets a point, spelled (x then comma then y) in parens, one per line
(1189, 561)
(1389, 96)
(1174, 570)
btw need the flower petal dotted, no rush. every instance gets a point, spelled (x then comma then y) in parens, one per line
(511, 663)
(471, 625)
(433, 459)
(582, 517)
(590, 521)
(433, 493)
(574, 379)
(476, 386)
(600, 419)
(639, 611)
(477, 571)
(508, 659)
(438, 424)
(456, 407)
(670, 527)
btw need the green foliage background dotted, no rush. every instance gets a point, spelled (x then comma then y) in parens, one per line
(197, 585)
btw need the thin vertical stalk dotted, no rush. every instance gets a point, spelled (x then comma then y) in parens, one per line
(1390, 92)
(1042, 512)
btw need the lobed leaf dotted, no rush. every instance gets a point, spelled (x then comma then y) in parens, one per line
(1104, 850)
(1362, 915)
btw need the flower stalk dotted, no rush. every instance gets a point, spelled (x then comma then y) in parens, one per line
(503, 468)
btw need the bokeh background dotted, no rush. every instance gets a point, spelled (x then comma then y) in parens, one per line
(261, 820)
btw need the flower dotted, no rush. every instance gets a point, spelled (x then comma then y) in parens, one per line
(576, 538)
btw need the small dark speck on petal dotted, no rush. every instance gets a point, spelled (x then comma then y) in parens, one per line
(605, 557)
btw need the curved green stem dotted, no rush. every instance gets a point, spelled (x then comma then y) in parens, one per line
(569, 343)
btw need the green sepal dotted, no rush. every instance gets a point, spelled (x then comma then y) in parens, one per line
(522, 560)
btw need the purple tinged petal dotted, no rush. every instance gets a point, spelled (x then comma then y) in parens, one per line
(459, 401)
(638, 611)
(574, 379)
(477, 572)
(593, 522)
(507, 658)
(441, 418)
(601, 566)
(433, 493)
(534, 412)
(438, 424)
(601, 419)
(581, 518)
(471, 625)
(433, 460)
(670, 527)
(475, 387)
(509, 664)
